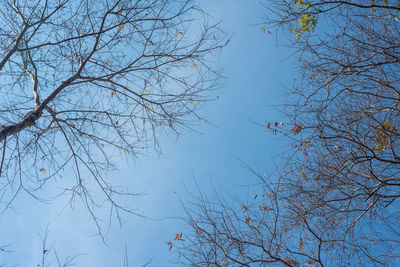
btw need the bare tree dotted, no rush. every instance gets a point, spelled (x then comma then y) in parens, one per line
(338, 198)
(85, 81)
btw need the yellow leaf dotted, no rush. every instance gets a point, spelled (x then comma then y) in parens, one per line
(125, 153)
(178, 34)
(43, 170)
(191, 102)
(87, 93)
(263, 30)
(148, 109)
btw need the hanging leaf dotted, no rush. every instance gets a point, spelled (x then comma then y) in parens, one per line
(178, 34)
(178, 237)
(169, 243)
(244, 208)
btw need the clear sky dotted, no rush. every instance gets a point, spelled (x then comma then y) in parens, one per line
(256, 71)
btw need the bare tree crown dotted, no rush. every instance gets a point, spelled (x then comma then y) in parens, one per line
(82, 81)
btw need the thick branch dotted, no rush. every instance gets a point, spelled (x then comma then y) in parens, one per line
(32, 116)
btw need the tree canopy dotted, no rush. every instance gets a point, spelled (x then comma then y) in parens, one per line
(335, 200)
(84, 82)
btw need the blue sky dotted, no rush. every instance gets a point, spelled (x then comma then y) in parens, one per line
(256, 70)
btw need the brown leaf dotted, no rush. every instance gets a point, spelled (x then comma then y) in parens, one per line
(244, 208)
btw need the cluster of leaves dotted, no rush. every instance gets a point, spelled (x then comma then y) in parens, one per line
(307, 20)
(383, 136)
(178, 237)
